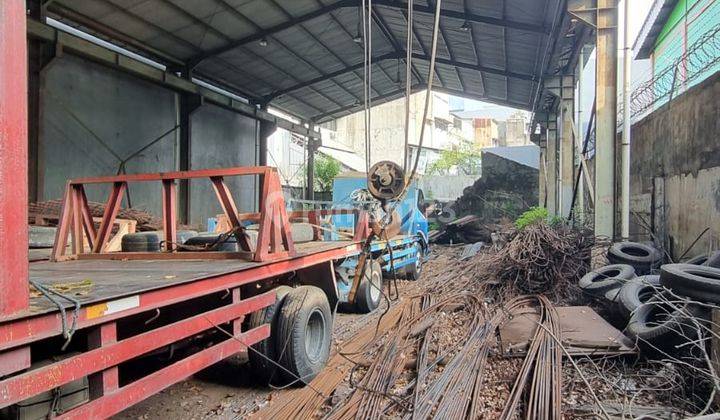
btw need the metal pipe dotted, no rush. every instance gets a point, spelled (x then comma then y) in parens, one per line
(627, 128)
(14, 292)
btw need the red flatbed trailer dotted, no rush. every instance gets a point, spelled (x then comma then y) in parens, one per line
(125, 291)
(138, 303)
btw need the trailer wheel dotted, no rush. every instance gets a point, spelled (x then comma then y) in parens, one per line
(415, 270)
(369, 293)
(304, 333)
(263, 369)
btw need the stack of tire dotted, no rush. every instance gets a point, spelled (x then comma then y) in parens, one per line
(628, 260)
(640, 301)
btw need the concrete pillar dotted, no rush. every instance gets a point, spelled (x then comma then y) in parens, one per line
(311, 149)
(551, 168)
(265, 130)
(14, 294)
(606, 114)
(567, 158)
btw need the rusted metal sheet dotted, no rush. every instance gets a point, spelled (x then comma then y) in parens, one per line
(584, 332)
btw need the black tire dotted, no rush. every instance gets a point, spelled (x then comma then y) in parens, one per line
(263, 369)
(41, 236)
(642, 257)
(713, 260)
(599, 281)
(201, 240)
(660, 325)
(414, 271)
(369, 293)
(694, 281)
(141, 242)
(304, 332)
(613, 295)
(699, 260)
(637, 292)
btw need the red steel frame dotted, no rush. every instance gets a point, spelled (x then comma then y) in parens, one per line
(274, 240)
(13, 158)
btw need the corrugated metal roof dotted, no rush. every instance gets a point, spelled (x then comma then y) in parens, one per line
(302, 57)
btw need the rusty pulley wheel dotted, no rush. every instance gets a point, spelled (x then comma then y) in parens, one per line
(386, 180)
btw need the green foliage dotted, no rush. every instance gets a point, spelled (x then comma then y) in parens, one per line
(326, 169)
(533, 215)
(465, 159)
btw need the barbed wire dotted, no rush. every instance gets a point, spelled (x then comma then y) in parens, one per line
(700, 57)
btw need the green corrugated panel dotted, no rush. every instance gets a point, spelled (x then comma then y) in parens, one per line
(700, 16)
(704, 17)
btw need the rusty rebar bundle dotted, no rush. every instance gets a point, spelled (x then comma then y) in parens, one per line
(540, 377)
(540, 259)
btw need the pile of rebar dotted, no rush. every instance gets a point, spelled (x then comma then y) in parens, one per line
(540, 259)
(540, 377)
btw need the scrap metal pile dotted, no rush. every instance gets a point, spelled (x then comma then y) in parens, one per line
(428, 357)
(51, 210)
(540, 259)
(442, 350)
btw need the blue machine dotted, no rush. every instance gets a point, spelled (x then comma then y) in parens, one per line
(409, 248)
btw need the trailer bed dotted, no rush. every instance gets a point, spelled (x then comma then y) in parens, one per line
(92, 281)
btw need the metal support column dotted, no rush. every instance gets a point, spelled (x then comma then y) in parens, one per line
(551, 158)
(14, 291)
(312, 146)
(189, 103)
(580, 133)
(606, 114)
(265, 130)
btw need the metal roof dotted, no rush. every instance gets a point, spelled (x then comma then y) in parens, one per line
(301, 56)
(654, 22)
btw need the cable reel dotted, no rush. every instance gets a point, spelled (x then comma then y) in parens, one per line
(386, 180)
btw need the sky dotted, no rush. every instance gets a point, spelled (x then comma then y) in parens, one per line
(638, 11)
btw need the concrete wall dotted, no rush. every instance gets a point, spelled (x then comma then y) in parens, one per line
(221, 139)
(446, 187)
(675, 172)
(94, 117)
